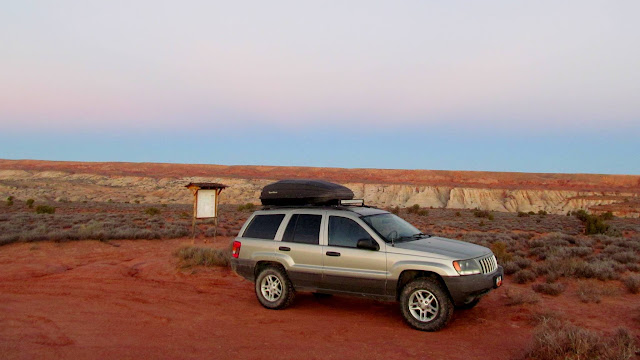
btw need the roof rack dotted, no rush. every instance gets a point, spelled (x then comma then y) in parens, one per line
(352, 202)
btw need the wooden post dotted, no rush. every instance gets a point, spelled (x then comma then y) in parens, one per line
(194, 191)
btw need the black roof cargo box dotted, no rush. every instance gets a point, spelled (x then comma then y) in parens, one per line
(304, 192)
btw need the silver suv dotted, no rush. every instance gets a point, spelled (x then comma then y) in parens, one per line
(362, 251)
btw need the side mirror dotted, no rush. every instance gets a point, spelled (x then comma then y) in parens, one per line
(368, 244)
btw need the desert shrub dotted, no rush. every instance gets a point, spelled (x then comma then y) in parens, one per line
(45, 209)
(246, 207)
(607, 215)
(458, 214)
(554, 289)
(510, 267)
(543, 315)
(152, 211)
(601, 270)
(481, 213)
(554, 339)
(522, 262)
(635, 267)
(499, 249)
(197, 256)
(395, 210)
(522, 214)
(592, 290)
(593, 224)
(524, 276)
(542, 212)
(632, 283)
(10, 201)
(626, 257)
(30, 203)
(520, 297)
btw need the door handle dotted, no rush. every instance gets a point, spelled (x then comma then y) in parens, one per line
(284, 248)
(333, 253)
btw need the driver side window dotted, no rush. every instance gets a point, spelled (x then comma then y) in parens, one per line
(345, 232)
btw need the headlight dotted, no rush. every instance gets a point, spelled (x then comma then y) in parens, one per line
(467, 267)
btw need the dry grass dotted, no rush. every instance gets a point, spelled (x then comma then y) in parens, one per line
(553, 289)
(593, 290)
(197, 256)
(520, 297)
(555, 339)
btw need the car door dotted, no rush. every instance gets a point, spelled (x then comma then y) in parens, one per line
(348, 268)
(300, 245)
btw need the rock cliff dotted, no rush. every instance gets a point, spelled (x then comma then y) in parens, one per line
(70, 186)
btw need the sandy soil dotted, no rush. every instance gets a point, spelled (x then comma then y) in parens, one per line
(129, 300)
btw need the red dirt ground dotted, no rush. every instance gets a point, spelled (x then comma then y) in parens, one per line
(129, 300)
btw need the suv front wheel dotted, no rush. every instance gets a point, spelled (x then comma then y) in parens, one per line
(274, 289)
(425, 305)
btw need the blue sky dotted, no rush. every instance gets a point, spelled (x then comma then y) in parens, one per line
(542, 86)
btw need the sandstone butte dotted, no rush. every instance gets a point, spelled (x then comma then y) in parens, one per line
(164, 183)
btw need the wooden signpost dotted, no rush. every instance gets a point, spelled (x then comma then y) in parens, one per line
(205, 204)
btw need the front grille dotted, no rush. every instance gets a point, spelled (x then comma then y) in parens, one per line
(488, 264)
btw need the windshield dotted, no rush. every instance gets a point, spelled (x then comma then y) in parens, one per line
(391, 227)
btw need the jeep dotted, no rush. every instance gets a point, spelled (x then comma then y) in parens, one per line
(363, 251)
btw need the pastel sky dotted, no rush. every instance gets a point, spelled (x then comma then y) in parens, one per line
(536, 86)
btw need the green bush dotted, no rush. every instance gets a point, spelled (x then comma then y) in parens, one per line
(415, 209)
(152, 211)
(522, 214)
(499, 249)
(246, 207)
(607, 215)
(10, 201)
(593, 224)
(458, 214)
(45, 209)
(30, 203)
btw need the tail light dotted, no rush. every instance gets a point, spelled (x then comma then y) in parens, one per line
(235, 251)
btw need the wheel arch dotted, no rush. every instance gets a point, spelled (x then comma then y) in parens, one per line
(406, 276)
(260, 265)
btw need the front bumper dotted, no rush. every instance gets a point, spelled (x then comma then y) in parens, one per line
(465, 289)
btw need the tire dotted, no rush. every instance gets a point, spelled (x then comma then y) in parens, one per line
(470, 305)
(274, 289)
(425, 305)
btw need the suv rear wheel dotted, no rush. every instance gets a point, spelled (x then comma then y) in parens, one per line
(425, 305)
(274, 289)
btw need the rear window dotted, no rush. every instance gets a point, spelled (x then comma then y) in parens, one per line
(264, 226)
(303, 228)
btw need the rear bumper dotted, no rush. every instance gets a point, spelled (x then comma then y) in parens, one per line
(465, 289)
(244, 268)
